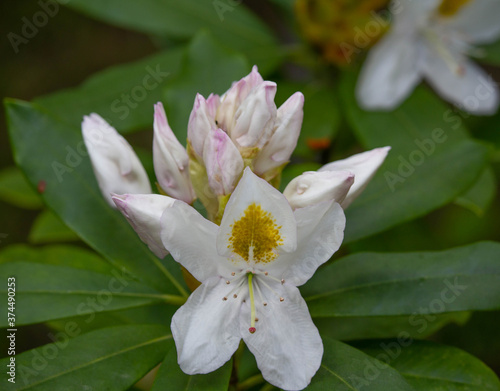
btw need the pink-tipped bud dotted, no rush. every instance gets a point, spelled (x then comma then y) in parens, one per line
(254, 119)
(200, 123)
(223, 162)
(313, 187)
(284, 139)
(171, 161)
(143, 212)
(363, 166)
(116, 166)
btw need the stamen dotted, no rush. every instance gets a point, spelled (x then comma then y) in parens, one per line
(235, 289)
(228, 282)
(233, 273)
(260, 294)
(224, 298)
(252, 328)
(271, 289)
(282, 299)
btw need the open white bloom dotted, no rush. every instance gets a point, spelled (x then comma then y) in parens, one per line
(430, 40)
(116, 166)
(342, 180)
(250, 267)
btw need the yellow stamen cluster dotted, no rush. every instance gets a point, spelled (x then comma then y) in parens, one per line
(451, 7)
(255, 235)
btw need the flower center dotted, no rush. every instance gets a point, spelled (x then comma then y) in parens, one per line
(255, 236)
(451, 7)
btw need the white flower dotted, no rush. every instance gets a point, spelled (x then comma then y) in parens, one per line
(250, 267)
(429, 40)
(116, 166)
(334, 181)
(171, 161)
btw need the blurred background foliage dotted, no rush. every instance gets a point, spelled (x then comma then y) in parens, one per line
(95, 51)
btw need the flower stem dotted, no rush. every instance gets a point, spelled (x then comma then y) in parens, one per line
(250, 382)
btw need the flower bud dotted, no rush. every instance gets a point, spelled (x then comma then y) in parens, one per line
(223, 162)
(363, 165)
(116, 166)
(284, 139)
(171, 161)
(313, 187)
(143, 212)
(200, 122)
(254, 118)
(233, 97)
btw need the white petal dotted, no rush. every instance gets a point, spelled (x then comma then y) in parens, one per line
(171, 161)
(471, 90)
(206, 328)
(116, 166)
(253, 190)
(313, 187)
(284, 139)
(191, 239)
(363, 165)
(320, 233)
(143, 212)
(390, 72)
(223, 162)
(286, 343)
(254, 118)
(477, 21)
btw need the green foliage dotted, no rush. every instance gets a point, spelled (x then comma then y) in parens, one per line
(49, 228)
(15, 190)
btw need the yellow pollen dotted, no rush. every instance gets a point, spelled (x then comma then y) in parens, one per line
(255, 235)
(451, 7)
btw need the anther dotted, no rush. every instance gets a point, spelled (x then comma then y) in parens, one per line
(281, 299)
(235, 295)
(264, 304)
(282, 282)
(256, 319)
(233, 273)
(228, 282)
(266, 273)
(224, 298)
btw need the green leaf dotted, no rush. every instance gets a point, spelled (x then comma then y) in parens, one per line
(15, 190)
(479, 196)
(49, 228)
(431, 367)
(418, 326)
(45, 292)
(171, 377)
(49, 150)
(124, 95)
(207, 68)
(432, 160)
(387, 284)
(230, 23)
(346, 368)
(61, 255)
(107, 359)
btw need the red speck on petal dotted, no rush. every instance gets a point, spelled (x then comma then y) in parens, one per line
(41, 186)
(252, 330)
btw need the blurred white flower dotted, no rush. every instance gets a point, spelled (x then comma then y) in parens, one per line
(430, 39)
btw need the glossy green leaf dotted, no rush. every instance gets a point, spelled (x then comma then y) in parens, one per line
(207, 68)
(381, 284)
(171, 377)
(15, 190)
(432, 160)
(231, 23)
(109, 359)
(48, 228)
(480, 195)
(431, 367)
(58, 255)
(418, 326)
(45, 292)
(345, 368)
(49, 150)
(124, 95)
